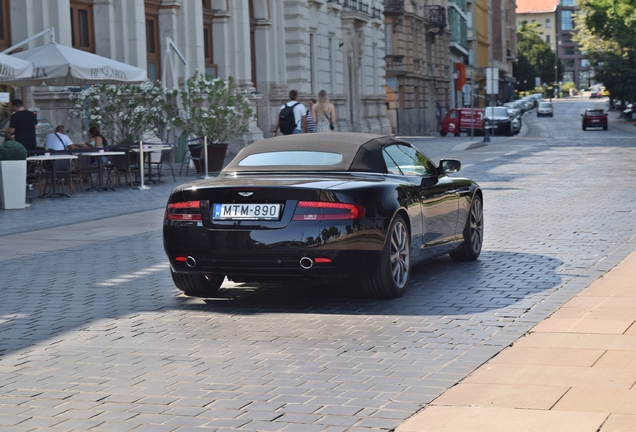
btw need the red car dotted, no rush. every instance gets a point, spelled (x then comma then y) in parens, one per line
(594, 117)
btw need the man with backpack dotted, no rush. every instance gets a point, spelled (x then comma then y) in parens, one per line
(292, 118)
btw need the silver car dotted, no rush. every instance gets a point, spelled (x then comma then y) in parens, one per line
(545, 109)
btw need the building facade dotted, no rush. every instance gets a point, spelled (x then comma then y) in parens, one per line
(418, 69)
(268, 46)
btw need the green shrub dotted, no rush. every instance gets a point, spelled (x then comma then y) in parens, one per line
(12, 150)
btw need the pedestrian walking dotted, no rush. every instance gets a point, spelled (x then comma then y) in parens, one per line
(324, 113)
(311, 126)
(292, 118)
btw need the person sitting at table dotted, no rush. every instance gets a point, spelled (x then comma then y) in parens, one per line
(58, 140)
(95, 138)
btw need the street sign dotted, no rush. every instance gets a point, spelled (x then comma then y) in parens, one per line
(467, 88)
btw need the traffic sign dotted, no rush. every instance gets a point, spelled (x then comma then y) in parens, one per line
(467, 88)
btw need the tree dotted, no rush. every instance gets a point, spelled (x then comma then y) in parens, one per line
(123, 112)
(607, 35)
(536, 58)
(211, 107)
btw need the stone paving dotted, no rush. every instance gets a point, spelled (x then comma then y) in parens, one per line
(96, 337)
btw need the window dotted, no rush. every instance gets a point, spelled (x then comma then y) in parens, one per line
(568, 2)
(547, 38)
(5, 30)
(585, 63)
(82, 33)
(292, 158)
(407, 161)
(153, 56)
(566, 20)
(569, 50)
(548, 24)
(569, 63)
(211, 68)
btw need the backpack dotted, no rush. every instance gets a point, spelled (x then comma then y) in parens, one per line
(286, 119)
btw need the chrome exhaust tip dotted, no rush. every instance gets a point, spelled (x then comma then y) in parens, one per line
(306, 263)
(191, 262)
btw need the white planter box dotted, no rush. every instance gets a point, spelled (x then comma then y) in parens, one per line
(13, 184)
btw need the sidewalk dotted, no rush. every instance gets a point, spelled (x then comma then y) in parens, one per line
(575, 371)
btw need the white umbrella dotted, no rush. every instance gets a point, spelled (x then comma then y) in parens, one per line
(169, 77)
(13, 67)
(60, 65)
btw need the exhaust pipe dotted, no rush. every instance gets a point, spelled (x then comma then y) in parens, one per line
(191, 262)
(306, 263)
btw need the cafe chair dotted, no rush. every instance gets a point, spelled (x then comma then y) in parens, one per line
(67, 172)
(166, 158)
(185, 162)
(123, 165)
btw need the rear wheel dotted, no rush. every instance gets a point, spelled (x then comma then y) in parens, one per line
(442, 133)
(605, 127)
(473, 233)
(197, 285)
(392, 275)
(583, 126)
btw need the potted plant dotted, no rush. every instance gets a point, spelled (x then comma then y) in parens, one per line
(13, 172)
(210, 107)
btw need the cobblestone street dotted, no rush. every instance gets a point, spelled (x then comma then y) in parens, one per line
(96, 337)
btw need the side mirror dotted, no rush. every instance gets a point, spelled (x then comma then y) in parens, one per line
(581, 115)
(450, 165)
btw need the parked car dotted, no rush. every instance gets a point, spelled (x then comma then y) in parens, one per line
(318, 207)
(545, 109)
(499, 120)
(459, 120)
(596, 94)
(515, 113)
(594, 117)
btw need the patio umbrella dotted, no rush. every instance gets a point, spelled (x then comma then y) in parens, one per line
(13, 67)
(60, 65)
(169, 77)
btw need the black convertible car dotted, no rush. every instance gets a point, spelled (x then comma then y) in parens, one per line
(321, 206)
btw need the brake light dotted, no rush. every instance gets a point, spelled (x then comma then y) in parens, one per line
(184, 211)
(326, 210)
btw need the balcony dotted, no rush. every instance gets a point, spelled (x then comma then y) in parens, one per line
(435, 16)
(393, 6)
(395, 64)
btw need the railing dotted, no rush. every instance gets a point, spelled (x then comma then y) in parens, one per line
(395, 63)
(359, 6)
(435, 15)
(394, 6)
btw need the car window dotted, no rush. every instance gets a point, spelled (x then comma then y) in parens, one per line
(496, 112)
(545, 105)
(401, 159)
(595, 112)
(291, 158)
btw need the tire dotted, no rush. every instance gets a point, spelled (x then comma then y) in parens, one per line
(470, 249)
(197, 285)
(583, 127)
(551, 115)
(442, 133)
(392, 276)
(457, 134)
(605, 127)
(510, 131)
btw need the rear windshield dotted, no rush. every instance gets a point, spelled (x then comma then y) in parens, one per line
(595, 112)
(497, 111)
(291, 158)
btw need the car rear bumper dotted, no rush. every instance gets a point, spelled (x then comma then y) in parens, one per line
(271, 253)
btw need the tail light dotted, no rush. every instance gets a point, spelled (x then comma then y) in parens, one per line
(184, 211)
(325, 210)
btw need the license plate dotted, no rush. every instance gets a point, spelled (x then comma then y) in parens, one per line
(246, 211)
(594, 121)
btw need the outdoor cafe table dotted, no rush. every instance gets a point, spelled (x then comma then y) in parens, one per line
(42, 158)
(150, 148)
(100, 167)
